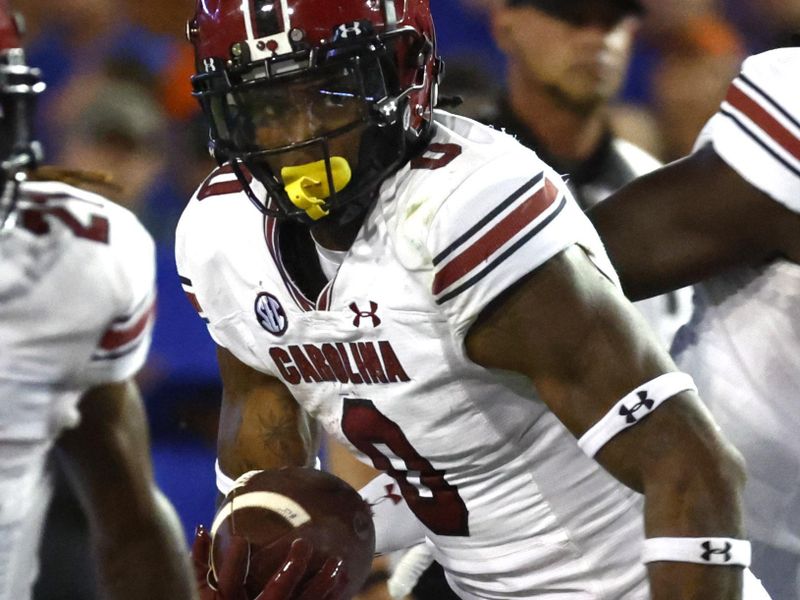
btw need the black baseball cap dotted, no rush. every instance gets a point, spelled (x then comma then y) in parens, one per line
(584, 12)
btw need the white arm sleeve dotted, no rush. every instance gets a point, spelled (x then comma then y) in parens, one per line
(408, 571)
(396, 527)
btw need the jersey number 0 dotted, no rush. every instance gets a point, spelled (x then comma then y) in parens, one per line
(435, 502)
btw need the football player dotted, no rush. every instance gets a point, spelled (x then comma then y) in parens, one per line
(729, 215)
(76, 305)
(405, 278)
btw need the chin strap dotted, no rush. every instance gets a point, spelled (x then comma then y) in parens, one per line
(309, 185)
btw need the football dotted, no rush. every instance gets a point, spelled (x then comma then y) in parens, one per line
(272, 508)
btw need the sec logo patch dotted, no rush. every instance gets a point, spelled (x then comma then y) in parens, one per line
(270, 314)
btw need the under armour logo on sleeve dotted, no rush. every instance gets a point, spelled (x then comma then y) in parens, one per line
(395, 498)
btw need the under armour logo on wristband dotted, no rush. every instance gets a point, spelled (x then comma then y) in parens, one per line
(644, 401)
(724, 553)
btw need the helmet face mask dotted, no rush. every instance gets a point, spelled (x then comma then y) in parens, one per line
(345, 94)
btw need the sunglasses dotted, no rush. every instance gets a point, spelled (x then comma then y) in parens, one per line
(607, 13)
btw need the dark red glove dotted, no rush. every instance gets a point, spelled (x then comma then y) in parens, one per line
(326, 584)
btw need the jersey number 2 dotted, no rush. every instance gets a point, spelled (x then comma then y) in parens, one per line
(435, 502)
(34, 221)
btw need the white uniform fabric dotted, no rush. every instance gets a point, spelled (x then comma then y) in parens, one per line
(77, 275)
(743, 343)
(511, 505)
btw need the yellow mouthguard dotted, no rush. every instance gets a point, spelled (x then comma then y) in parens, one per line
(307, 185)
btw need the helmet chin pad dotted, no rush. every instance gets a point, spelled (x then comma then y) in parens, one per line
(308, 185)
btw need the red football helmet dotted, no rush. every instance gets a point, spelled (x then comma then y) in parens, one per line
(19, 85)
(318, 100)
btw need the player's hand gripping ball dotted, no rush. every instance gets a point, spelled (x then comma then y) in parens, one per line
(270, 509)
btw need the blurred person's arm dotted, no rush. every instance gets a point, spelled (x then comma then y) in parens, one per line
(136, 536)
(689, 220)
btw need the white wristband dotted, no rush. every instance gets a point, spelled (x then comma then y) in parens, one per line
(720, 551)
(225, 484)
(408, 571)
(633, 408)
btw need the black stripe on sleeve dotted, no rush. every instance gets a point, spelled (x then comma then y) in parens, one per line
(491, 215)
(508, 252)
(771, 102)
(760, 142)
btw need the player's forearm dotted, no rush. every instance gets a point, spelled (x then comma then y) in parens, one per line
(261, 426)
(266, 438)
(695, 496)
(147, 560)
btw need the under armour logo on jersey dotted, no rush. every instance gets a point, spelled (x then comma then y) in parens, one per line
(724, 553)
(270, 314)
(644, 401)
(363, 314)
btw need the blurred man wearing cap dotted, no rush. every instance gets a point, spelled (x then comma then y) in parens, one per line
(566, 61)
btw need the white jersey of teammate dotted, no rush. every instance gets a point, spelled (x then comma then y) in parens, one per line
(77, 275)
(511, 505)
(743, 343)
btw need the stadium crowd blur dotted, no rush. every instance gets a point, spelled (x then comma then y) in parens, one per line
(119, 104)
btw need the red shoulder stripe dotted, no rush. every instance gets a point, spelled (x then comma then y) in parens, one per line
(116, 337)
(761, 117)
(503, 230)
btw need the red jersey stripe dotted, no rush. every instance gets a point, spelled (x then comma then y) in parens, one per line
(194, 302)
(759, 115)
(497, 236)
(116, 338)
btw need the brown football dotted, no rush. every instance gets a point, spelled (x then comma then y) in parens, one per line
(272, 508)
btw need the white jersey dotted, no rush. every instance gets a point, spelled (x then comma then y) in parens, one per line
(511, 505)
(743, 342)
(77, 275)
